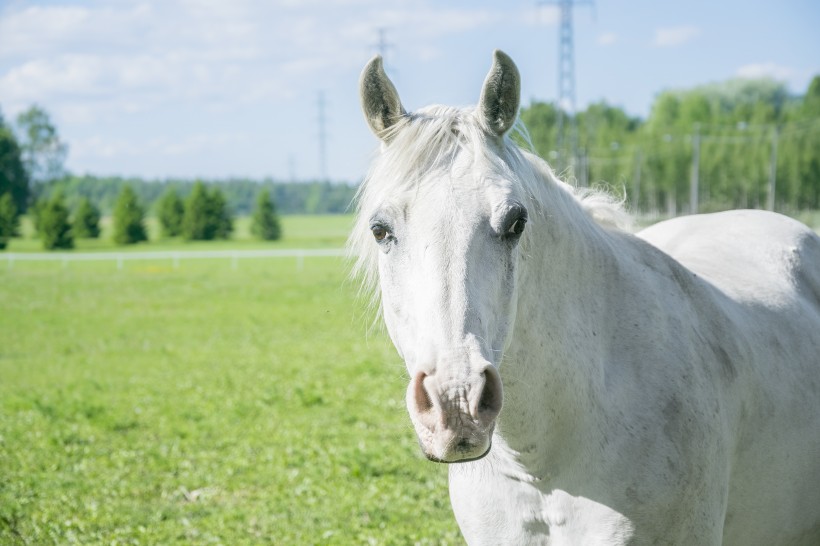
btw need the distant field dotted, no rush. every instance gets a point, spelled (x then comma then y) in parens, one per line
(206, 405)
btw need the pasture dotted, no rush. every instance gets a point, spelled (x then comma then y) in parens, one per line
(206, 405)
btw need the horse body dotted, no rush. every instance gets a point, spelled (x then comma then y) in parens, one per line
(765, 270)
(658, 412)
(652, 394)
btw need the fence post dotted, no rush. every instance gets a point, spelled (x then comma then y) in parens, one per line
(772, 171)
(636, 191)
(693, 181)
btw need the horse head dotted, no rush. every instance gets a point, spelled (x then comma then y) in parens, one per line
(440, 226)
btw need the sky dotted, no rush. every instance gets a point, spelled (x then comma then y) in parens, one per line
(231, 88)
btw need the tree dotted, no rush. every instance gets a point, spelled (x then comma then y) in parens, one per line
(541, 120)
(13, 177)
(811, 101)
(195, 223)
(43, 151)
(206, 215)
(129, 219)
(220, 215)
(9, 221)
(171, 211)
(55, 229)
(265, 221)
(86, 220)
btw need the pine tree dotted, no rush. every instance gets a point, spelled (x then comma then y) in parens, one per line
(86, 220)
(195, 219)
(206, 215)
(265, 221)
(9, 221)
(129, 219)
(220, 216)
(54, 227)
(171, 212)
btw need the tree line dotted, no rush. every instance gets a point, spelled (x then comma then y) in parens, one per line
(732, 142)
(240, 193)
(736, 144)
(202, 216)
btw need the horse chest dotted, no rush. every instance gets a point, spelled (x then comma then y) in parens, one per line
(503, 508)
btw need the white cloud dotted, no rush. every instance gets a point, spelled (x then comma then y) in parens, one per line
(222, 52)
(91, 62)
(675, 36)
(541, 15)
(765, 70)
(43, 30)
(607, 38)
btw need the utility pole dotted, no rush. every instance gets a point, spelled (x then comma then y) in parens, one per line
(292, 167)
(382, 45)
(320, 103)
(566, 82)
(772, 170)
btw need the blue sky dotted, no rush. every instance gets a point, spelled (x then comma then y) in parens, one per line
(220, 88)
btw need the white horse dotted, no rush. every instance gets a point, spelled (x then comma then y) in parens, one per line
(662, 388)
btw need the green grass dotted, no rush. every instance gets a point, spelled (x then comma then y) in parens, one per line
(206, 405)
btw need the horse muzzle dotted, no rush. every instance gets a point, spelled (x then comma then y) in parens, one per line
(454, 417)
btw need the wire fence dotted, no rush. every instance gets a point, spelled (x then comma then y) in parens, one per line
(176, 257)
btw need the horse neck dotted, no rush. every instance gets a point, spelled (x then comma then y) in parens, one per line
(552, 370)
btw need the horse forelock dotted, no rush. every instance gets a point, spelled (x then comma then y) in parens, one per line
(423, 146)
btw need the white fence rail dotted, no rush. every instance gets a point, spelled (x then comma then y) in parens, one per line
(174, 256)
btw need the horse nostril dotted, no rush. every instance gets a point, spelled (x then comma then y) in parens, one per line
(421, 397)
(489, 405)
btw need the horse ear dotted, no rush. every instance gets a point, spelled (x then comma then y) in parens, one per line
(501, 95)
(380, 100)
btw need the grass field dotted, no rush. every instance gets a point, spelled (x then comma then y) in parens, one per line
(206, 405)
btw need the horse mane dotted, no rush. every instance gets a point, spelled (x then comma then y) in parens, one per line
(426, 142)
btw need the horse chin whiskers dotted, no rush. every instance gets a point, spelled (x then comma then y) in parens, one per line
(460, 445)
(432, 458)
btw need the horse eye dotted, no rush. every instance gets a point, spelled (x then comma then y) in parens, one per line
(379, 233)
(517, 227)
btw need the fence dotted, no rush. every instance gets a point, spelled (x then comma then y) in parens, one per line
(174, 256)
